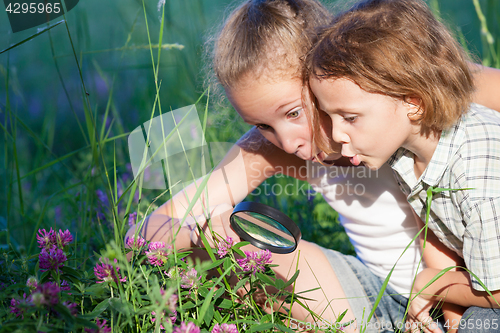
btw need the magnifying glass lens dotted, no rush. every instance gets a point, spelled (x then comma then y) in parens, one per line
(265, 227)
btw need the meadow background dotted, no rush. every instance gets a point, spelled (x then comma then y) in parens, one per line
(70, 96)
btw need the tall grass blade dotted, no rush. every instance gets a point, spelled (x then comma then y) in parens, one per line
(66, 93)
(13, 128)
(489, 54)
(32, 36)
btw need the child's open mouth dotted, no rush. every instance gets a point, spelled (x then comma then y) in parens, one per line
(354, 160)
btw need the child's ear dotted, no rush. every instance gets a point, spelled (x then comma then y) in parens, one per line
(415, 106)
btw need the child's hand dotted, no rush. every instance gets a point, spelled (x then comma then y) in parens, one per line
(419, 319)
(219, 220)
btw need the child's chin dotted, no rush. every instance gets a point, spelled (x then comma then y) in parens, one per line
(370, 166)
(333, 157)
(328, 159)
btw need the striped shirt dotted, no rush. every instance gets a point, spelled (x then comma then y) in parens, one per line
(467, 221)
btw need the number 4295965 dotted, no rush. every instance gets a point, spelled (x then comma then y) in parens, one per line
(18, 8)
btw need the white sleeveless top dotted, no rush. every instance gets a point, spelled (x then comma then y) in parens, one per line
(376, 217)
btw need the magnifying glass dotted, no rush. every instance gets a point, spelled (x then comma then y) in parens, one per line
(265, 227)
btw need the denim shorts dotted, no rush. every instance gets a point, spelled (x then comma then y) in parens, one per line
(362, 287)
(479, 320)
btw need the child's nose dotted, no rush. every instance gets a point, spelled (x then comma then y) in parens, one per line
(290, 146)
(338, 135)
(289, 142)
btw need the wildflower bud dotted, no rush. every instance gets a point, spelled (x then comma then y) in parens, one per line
(106, 272)
(158, 253)
(72, 307)
(64, 238)
(171, 304)
(38, 299)
(255, 261)
(225, 328)
(65, 286)
(18, 307)
(190, 327)
(132, 218)
(189, 279)
(224, 246)
(46, 239)
(51, 259)
(46, 294)
(101, 327)
(135, 244)
(32, 283)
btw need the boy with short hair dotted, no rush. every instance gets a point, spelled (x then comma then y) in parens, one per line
(397, 88)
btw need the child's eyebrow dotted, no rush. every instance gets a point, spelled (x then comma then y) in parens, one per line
(337, 110)
(286, 105)
(320, 107)
(330, 111)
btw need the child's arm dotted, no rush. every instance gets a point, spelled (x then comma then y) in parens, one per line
(252, 160)
(163, 228)
(455, 287)
(437, 256)
(487, 82)
(249, 162)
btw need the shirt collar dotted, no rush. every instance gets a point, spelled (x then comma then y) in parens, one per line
(447, 147)
(403, 163)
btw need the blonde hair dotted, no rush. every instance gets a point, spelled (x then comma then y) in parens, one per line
(397, 48)
(265, 35)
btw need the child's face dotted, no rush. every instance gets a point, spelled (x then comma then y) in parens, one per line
(275, 108)
(370, 127)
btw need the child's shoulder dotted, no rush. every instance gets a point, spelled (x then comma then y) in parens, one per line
(479, 115)
(474, 146)
(479, 126)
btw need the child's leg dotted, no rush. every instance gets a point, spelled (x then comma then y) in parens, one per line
(315, 271)
(346, 284)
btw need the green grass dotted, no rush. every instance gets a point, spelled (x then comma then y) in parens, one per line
(103, 65)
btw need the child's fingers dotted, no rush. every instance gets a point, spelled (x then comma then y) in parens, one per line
(422, 323)
(430, 326)
(195, 237)
(219, 220)
(221, 224)
(228, 230)
(419, 317)
(193, 223)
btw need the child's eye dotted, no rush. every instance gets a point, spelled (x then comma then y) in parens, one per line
(294, 113)
(262, 127)
(350, 119)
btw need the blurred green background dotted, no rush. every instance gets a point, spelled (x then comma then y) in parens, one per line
(95, 71)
